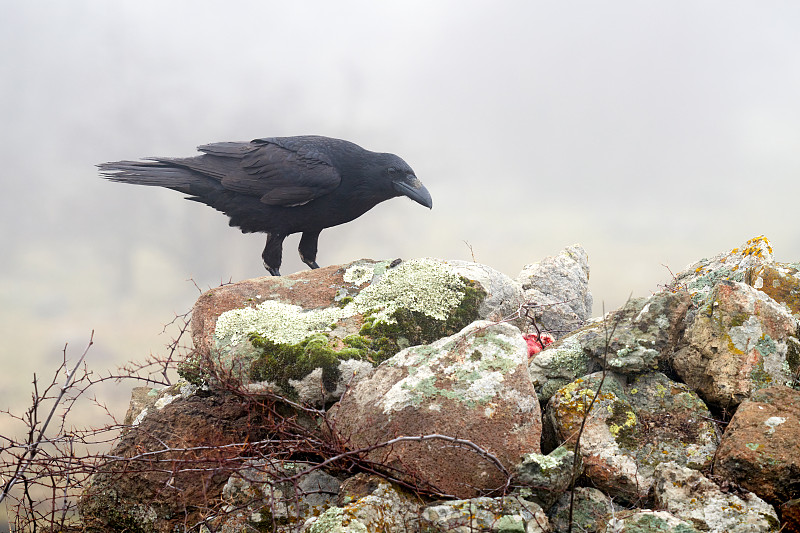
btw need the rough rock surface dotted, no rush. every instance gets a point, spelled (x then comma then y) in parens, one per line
(255, 501)
(642, 334)
(383, 508)
(641, 521)
(558, 288)
(779, 281)
(546, 477)
(133, 492)
(591, 511)
(279, 330)
(499, 515)
(632, 427)
(760, 449)
(561, 363)
(790, 516)
(690, 495)
(740, 341)
(700, 277)
(473, 385)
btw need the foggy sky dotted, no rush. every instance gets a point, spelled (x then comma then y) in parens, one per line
(653, 134)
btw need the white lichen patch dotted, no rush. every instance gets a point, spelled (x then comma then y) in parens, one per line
(358, 274)
(773, 422)
(277, 321)
(423, 285)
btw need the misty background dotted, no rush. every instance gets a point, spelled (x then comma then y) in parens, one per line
(652, 133)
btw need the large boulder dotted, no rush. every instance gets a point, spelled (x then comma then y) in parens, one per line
(641, 335)
(306, 335)
(173, 463)
(740, 340)
(760, 449)
(557, 290)
(687, 493)
(632, 427)
(473, 386)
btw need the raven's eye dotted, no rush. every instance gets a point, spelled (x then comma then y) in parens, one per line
(391, 170)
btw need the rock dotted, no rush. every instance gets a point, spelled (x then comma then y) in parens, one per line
(279, 330)
(473, 385)
(700, 278)
(546, 477)
(760, 449)
(561, 363)
(256, 497)
(779, 281)
(508, 514)
(693, 497)
(503, 295)
(591, 511)
(385, 508)
(643, 333)
(557, 288)
(646, 521)
(193, 441)
(145, 399)
(740, 341)
(632, 427)
(790, 516)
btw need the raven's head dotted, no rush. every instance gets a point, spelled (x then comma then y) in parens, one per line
(406, 183)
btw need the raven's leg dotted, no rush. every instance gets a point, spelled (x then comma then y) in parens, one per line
(272, 253)
(308, 247)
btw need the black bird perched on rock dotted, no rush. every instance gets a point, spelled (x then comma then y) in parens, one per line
(281, 185)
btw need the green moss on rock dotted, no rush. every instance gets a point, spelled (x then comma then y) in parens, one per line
(406, 327)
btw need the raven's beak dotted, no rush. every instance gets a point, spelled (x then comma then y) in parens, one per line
(414, 189)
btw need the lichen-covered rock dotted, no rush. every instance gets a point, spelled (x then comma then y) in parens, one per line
(561, 363)
(642, 334)
(693, 497)
(503, 294)
(145, 399)
(779, 281)
(256, 497)
(277, 331)
(385, 508)
(632, 427)
(647, 521)
(194, 441)
(473, 385)
(700, 278)
(558, 289)
(546, 477)
(591, 510)
(740, 341)
(502, 515)
(760, 449)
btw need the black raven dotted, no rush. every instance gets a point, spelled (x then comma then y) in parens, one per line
(281, 185)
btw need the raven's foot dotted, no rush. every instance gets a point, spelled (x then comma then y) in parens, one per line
(275, 271)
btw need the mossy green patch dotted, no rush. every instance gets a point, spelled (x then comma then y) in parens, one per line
(279, 362)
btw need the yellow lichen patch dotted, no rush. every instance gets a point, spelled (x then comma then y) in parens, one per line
(755, 247)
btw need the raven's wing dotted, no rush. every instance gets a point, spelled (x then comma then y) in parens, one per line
(283, 171)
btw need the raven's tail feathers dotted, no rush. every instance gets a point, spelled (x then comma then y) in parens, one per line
(155, 173)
